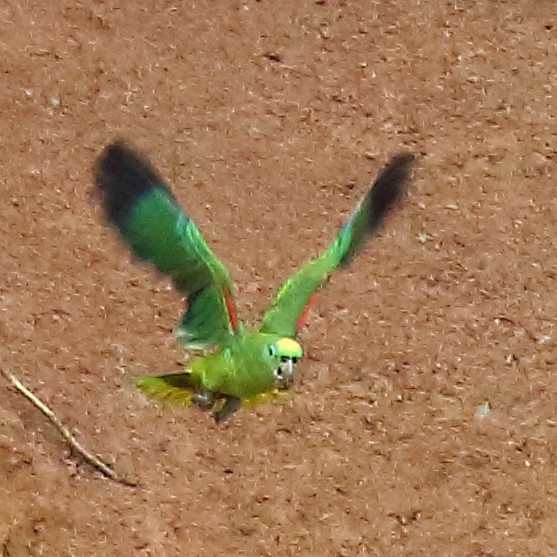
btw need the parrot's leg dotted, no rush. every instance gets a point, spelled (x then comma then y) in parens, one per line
(231, 405)
(204, 399)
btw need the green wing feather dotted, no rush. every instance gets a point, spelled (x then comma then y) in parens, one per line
(286, 314)
(149, 219)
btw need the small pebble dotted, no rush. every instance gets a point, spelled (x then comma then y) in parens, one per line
(483, 410)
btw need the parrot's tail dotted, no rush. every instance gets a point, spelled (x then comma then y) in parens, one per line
(177, 388)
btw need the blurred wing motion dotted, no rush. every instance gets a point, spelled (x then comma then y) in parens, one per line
(288, 310)
(141, 206)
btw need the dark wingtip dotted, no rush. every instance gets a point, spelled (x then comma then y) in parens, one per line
(121, 176)
(389, 187)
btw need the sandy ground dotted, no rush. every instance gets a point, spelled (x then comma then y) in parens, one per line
(270, 120)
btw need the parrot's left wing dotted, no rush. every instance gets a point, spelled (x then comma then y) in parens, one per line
(287, 313)
(141, 206)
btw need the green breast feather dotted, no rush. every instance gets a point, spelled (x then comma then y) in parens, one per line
(244, 367)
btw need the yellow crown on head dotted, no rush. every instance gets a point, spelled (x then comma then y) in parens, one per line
(289, 347)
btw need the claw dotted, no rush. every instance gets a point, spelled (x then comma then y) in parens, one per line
(204, 399)
(231, 405)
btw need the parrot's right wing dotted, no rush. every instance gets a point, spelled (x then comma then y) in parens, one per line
(146, 214)
(287, 313)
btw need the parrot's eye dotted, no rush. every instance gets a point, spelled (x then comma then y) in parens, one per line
(294, 360)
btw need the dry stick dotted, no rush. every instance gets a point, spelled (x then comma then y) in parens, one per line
(66, 433)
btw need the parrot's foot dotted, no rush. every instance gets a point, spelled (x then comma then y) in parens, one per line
(222, 406)
(231, 405)
(204, 399)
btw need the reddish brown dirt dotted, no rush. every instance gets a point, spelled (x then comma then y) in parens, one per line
(270, 119)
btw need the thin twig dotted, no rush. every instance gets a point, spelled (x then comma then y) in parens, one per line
(65, 432)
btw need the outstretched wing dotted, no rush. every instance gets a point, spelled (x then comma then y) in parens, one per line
(146, 214)
(287, 313)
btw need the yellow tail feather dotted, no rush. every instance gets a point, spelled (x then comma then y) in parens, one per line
(175, 388)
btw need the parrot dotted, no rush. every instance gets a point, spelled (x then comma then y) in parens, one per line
(232, 365)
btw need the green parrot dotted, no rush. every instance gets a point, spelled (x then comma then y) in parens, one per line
(236, 366)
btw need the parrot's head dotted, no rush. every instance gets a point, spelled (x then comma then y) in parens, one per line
(284, 353)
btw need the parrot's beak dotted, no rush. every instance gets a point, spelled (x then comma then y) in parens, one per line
(286, 375)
